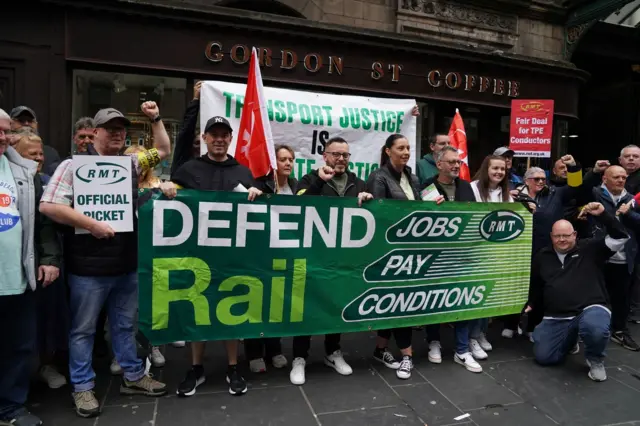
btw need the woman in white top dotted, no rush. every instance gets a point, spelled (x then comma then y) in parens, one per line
(491, 185)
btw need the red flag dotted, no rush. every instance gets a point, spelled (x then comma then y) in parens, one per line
(458, 138)
(254, 147)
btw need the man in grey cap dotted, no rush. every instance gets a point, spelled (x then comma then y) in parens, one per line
(102, 264)
(507, 154)
(24, 117)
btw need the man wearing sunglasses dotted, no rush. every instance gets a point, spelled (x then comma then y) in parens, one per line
(332, 180)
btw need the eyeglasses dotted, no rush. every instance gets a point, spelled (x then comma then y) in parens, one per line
(114, 130)
(337, 155)
(538, 179)
(562, 236)
(453, 162)
(82, 137)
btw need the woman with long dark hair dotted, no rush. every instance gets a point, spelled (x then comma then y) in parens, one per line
(394, 180)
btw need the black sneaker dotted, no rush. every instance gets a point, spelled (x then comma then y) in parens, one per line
(195, 377)
(386, 357)
(623, 338)
(22, 417)
(237, 383)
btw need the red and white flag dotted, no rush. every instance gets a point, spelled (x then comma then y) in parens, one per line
(254, 147)
(458, 140)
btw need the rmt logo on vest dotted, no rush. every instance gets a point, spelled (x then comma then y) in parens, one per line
(106, 173)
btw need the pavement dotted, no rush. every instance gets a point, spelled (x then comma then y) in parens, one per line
(512, 390)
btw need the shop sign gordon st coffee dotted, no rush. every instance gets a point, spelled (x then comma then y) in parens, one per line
(334, 65)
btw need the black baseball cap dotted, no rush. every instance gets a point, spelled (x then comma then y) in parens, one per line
(19, 110)
(218, 121)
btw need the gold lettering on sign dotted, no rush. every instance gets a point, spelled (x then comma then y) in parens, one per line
(245, 54)
(289, 59)
(485, 83)
(453, 80)
(317, 62)
(395, 72)
(514, 89)
(335, 63)
(434, 78)
(264, 54)
(498, 86)
(376, 71)
(213, 52)
(469, 82)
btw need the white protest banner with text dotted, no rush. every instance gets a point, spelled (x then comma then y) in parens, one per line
(306, 120)
(102, 190)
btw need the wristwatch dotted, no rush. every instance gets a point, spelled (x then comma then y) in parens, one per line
(156, 119)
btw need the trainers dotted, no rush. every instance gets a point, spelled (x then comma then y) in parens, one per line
(623, 338)
(257, 366)
(404, 370)
(86, 404)
(115, 368)
(597, 372)
(337, 362)
(575, 350)
(530, 336)
(22, 417)
(468, 362)
(386, 357)
(484, 343)
(156, 357)
(145, 386)
(237, 383)
(297, 376)
(279, 361)
(179, 344)
(507, 333)
(51, 377)
(435, 352)
(476, 351)
(195, 377)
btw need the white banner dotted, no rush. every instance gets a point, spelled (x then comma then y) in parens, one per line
(102, 190)
(306, 120)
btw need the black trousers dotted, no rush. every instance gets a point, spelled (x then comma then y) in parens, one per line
(265, 347)
(402, 335)
(301, 345)
(618, 280)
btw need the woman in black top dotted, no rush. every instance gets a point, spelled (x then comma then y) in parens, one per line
(394, 180)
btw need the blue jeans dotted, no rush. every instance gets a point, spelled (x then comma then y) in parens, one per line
(88, 295)
(478, 327)
(461, 331)
(553, 339)
(18, 332)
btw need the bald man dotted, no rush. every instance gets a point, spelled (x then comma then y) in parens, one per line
(620, 267)
(567, 284)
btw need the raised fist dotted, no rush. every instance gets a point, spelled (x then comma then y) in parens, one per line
(150, 109)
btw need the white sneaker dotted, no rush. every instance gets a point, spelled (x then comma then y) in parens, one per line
(476, 351)
(507, 334)
(435, 352)
(297, 371)
(51, 377)
(179, 344)
(156, 357)
(468, 362)
(337, 362)
(279, 361)
(484, 343)
(257, 366)
(404, 371)
(530, 335)
(115, 368)
(575, 350)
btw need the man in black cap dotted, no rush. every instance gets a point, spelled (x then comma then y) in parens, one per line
(507, 154)
(23, 116)
(214, 171)
(102, 265)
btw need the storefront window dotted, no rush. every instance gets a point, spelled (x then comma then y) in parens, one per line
(94, 90)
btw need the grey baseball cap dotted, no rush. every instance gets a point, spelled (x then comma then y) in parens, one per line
(19, 110)
(504, 151)
(107, 114)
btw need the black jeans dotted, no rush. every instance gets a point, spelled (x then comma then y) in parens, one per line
(265, 347)
(18, 334)
(301, 345)
(618, 281)
(403, 336)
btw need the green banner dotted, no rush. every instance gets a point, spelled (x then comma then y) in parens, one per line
(213, 265)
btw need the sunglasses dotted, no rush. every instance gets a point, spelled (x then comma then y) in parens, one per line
(539, 179)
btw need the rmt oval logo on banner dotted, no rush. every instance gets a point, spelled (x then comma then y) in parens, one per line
(103, 173)
(501, 226)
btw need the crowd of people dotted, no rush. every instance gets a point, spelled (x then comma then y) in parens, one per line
(61, 292)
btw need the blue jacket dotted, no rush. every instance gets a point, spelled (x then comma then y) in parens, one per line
(631, 222)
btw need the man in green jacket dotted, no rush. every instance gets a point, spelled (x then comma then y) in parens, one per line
(426, 166)
(30, 259)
